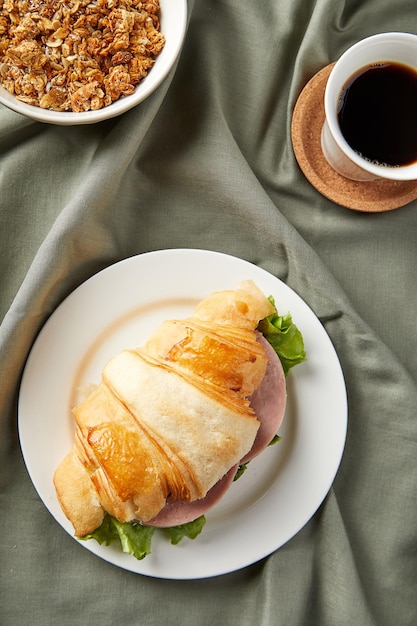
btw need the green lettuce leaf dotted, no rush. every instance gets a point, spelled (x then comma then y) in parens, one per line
(190, 530)
(274, 440)
(284, 337)
(240, 471)
(135, 539)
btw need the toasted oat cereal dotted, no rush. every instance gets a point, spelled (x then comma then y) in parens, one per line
(77, 55)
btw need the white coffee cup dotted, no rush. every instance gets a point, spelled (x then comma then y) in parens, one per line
(394, 47)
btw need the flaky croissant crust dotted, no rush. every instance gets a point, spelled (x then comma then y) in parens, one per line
(168, 419)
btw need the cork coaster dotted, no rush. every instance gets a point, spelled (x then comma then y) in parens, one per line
(307, 122)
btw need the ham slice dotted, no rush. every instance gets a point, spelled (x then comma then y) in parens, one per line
(268, 402)
(177, 513)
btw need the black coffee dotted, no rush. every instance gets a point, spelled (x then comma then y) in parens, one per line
(378, 113)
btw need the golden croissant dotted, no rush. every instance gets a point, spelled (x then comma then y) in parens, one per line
(169, 419)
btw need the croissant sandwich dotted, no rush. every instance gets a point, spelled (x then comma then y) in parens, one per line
(160, 438)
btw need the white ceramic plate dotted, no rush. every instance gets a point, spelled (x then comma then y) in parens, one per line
(118, 308)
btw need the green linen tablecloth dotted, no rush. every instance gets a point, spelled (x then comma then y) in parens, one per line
(207, 162)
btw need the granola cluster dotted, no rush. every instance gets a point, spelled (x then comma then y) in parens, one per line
(77, 55)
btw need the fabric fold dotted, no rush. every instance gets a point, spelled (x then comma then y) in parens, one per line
(207, 162)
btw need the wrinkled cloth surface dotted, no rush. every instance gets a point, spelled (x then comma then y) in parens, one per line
(207, 162)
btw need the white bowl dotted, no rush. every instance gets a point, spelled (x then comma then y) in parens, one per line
(173, 26)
